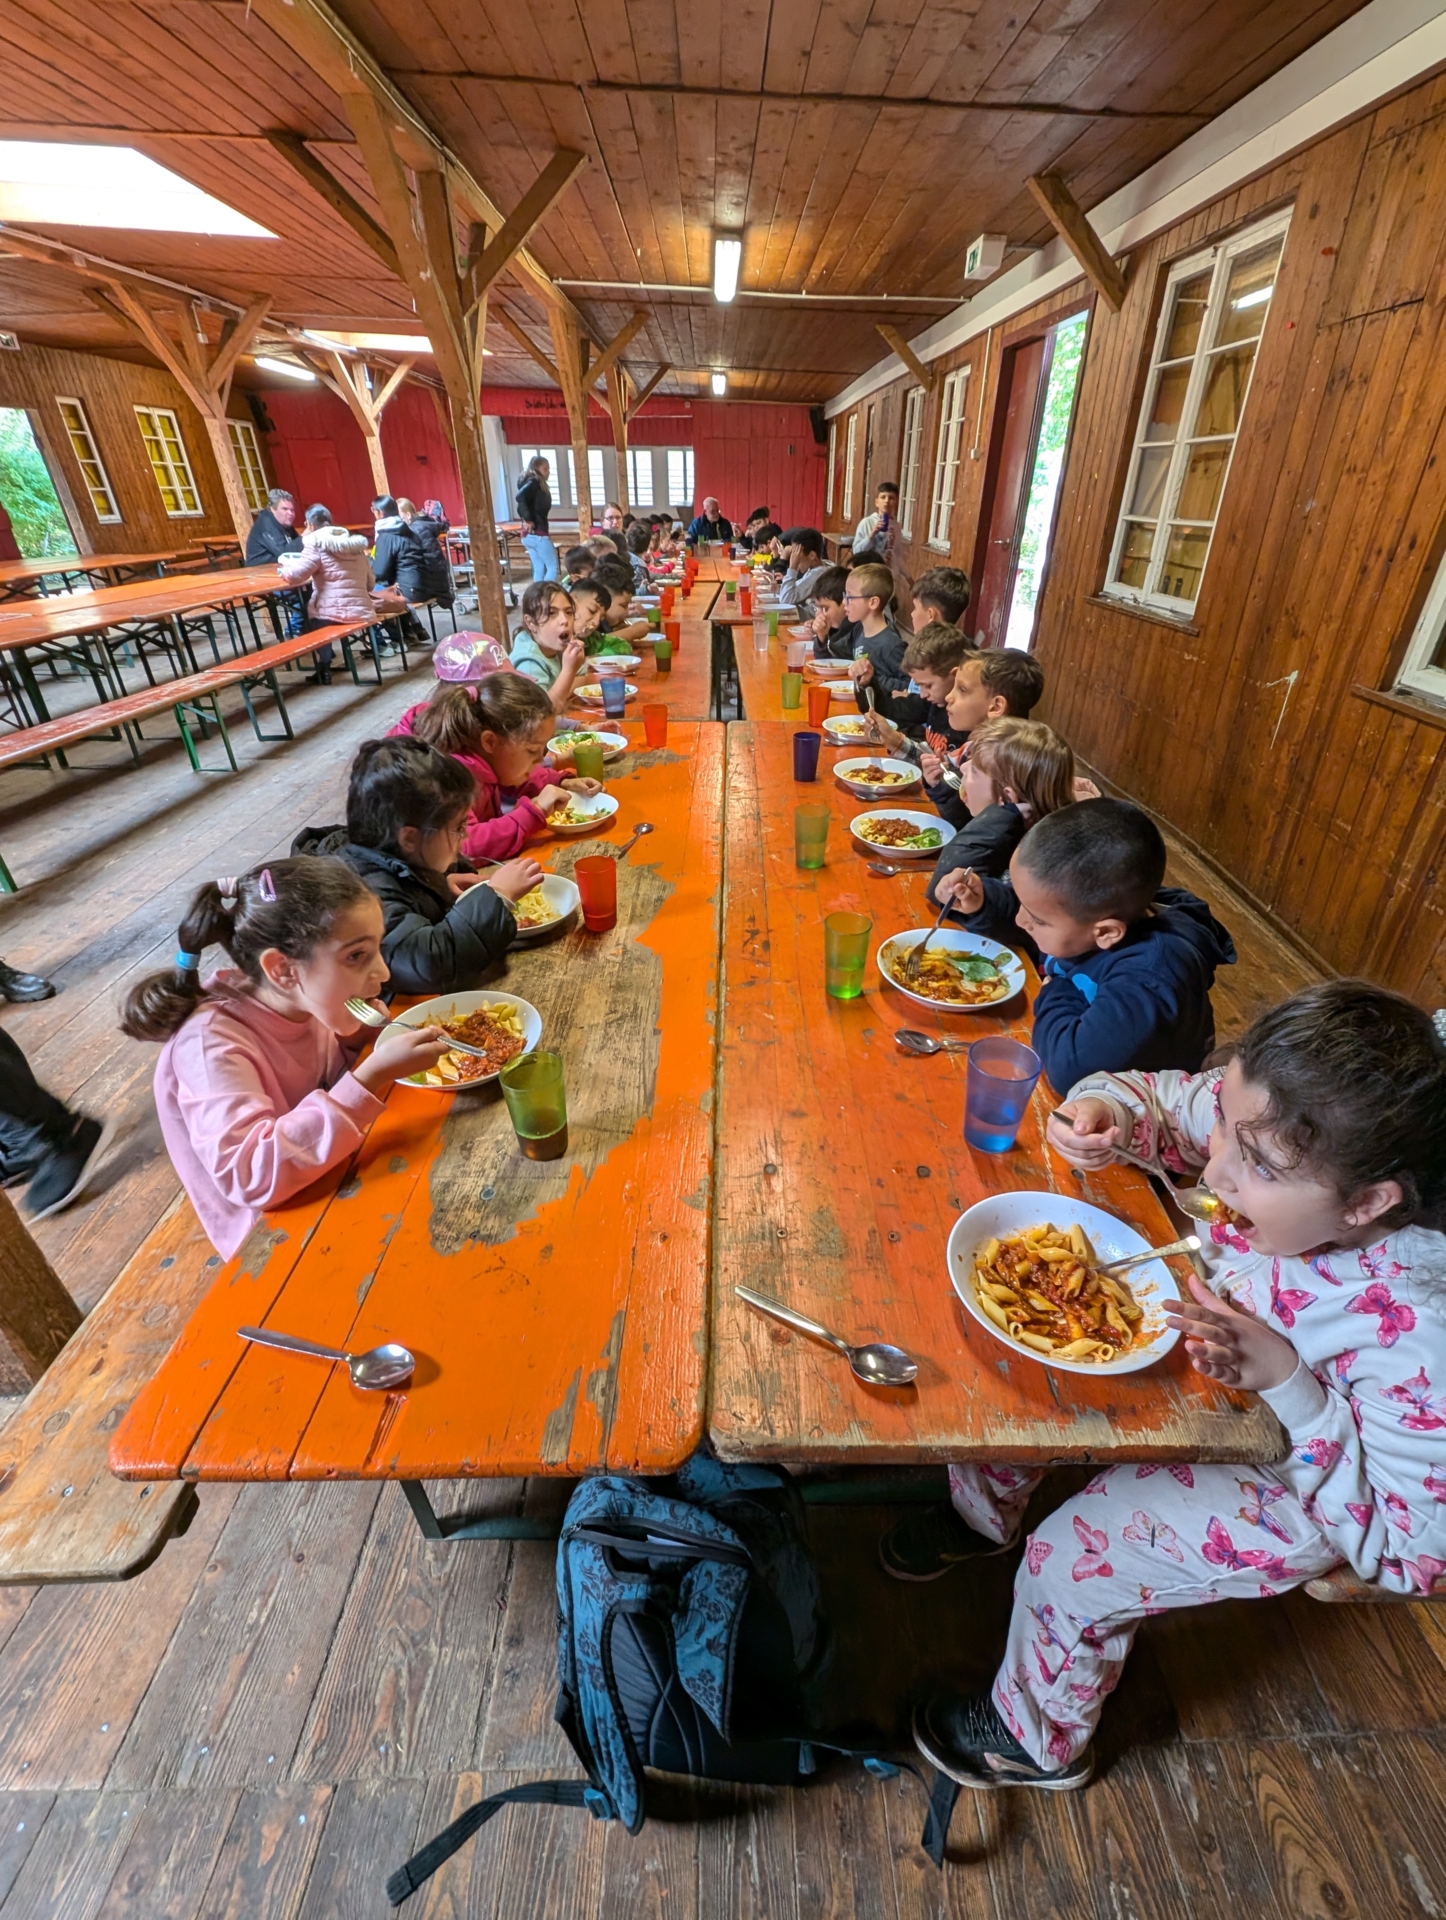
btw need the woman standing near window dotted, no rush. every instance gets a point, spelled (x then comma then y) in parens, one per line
(534, 503)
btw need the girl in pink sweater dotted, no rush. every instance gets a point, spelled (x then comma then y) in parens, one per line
(255, 1086)
(499, 731)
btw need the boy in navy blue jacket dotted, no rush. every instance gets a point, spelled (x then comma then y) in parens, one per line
(1128, 964)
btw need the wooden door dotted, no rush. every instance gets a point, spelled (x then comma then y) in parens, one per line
(1006, 486)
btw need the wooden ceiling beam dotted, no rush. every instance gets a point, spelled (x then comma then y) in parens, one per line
(528, 345)
(236, 337)
(1070, 222)
(926, 376)
(292, 148)
(616, 347)
(534, 206)
(645, 392)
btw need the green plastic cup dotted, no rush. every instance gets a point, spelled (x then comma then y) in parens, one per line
(587, 759)
(845, 951)
(810, 833)
(655, 618)
(536, 1100)
(663, 655)
(792, 692)
(773, 623)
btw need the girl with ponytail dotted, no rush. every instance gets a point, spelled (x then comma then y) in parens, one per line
(256, 1088)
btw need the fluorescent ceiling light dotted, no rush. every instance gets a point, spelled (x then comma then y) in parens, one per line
(53, 183)
(288, 367)
(720, 384)
(727, 258)
(1256, 299)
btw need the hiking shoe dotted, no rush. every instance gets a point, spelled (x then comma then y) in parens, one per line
(965, 1738)
(23, 986)
(62, 1173)
(927, 1542)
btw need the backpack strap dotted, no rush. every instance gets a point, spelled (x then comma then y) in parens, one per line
(402, 1884)
(941, 1812)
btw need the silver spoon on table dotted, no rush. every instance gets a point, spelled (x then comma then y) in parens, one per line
(877, 1364)
(643, 826)
(882, 868)
(910, 1040)
(371, 1016)
(377, 1370)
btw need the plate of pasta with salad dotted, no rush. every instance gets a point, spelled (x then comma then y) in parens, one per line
(1027, 1267)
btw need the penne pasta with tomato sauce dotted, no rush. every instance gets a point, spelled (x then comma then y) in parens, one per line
(1045, 1289)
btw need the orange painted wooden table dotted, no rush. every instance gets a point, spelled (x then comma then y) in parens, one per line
(558, 1310)
(842, 1167)
(687, 689)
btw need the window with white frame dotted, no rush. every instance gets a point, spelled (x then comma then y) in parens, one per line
(166, 452)
(1205, 349)
(909, 468)
(832, 457)
(1424, 668)
(640, 476)
(87, 458)
(946, 463)
(680, 477)
(597, 485)
(851, 437)
(247, 450)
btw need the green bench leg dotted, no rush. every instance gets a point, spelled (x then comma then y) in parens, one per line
(7, 879)
(269, 677)
(203, 710)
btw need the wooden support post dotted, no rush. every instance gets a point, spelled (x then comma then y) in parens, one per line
(203, 373)
(618, 389)
(348, 381)
(567, 347)
(534, 206)
(646, 392)
(291, 148)
(37, 1315)
(893, 338)
(1072, 225)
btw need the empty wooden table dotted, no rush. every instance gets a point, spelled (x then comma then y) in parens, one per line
(20, 578)
(559, 1310)
(841, 1169)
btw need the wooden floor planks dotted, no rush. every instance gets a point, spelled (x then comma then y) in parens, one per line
(301, 1690)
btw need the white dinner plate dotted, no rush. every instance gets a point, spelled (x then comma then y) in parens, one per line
(845, 771)
(614, 663)
(846, 731)
(1005, 1213)
(953, 940)
(562, 897)
(446, 1004)
(599, 808)
(922, 822)
(614, 745)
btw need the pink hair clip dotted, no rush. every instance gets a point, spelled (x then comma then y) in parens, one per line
(266, 886)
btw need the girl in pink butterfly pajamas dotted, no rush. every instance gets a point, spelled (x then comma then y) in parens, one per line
(1326, 1136)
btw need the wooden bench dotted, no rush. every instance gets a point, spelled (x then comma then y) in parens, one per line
(193, 700)
(63, 1514)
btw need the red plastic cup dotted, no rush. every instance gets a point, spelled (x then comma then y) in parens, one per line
(655, 725)
(666, 601)
(819, 702)
(671, 631)
(745, 600)
(597, 882)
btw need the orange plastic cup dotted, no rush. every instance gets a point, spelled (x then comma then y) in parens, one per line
(671, 630)
(597, 882)
(819, 702)
(655, 725)
(666, 601)
(745, 600)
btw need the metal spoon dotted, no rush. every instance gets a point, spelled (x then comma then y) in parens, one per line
(912, 1041)
(1190, 1244)
(1198, 1202)
(643, 826)
(371, 1016)
(877, 1364)
(883, 868)
(377, 1370)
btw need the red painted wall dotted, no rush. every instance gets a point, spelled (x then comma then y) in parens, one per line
(317, 451)
(752, 455)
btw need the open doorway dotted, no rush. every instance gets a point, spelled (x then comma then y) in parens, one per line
(37, 519)
(1038, 382)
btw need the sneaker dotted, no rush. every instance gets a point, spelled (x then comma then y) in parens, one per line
(965, 1738)
(321, 678)
(23, 986)
(927, 1542)
(62, 1173)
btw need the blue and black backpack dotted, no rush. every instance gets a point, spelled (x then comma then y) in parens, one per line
(691, 1639)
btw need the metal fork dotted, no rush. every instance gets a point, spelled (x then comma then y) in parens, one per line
(371, 1016)
(916, 954)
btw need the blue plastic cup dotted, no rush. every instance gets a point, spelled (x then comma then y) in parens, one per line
(615, 696)
(805, 755)
(1002, 1076)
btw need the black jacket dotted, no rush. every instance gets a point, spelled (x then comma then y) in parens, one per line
(431, 942)
(409, 556)
(1143, 1004)
(986, 842)
(702, 528)
(268, 539)
(534, 503)
(891, 682)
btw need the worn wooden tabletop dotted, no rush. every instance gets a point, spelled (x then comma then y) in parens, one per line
(27, 623)
(842, 1167)
(558, 1309)
(17, 576)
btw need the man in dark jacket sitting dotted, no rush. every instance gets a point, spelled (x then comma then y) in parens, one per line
(273, 531)
(709, 524)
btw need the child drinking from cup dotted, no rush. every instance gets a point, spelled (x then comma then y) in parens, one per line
(257, 1086)
(546, 649)
(1325, 1138)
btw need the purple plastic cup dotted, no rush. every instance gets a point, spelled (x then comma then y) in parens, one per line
(805, 755)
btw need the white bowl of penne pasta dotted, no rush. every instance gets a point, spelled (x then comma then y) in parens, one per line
(1025, 1266)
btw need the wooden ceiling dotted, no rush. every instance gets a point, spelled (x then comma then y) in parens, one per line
(857, 146)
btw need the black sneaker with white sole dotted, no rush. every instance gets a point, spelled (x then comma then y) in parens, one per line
(62, 1173)
(928, 1541)
(965, 1738)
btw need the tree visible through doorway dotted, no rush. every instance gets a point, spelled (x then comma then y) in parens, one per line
(1064, 366)
(37, 518)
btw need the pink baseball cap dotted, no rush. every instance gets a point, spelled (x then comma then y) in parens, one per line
(469, 657)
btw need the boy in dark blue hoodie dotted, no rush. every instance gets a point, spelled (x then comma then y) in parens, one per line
(1128, 964)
